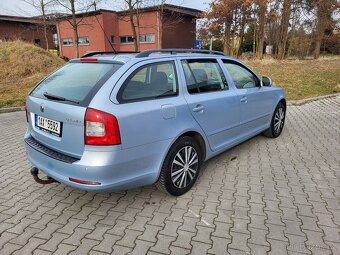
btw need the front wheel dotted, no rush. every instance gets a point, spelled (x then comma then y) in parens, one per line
(277, 122)
(181, 167)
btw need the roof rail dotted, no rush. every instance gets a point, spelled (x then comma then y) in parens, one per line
(175, 51)
(93, 53)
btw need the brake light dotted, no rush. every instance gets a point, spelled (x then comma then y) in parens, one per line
(92, 60)
(101, 128)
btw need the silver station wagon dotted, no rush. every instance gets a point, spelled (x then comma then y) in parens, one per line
(110, 121)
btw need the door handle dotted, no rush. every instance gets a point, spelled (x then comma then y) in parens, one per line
(244, 100)
(198, 108)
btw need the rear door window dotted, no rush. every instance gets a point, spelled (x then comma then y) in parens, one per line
(148, 82)
(74, 81)
(204, 75)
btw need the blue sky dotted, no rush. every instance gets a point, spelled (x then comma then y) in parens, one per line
(20, 8)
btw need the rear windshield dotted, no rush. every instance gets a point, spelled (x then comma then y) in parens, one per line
(74, 81)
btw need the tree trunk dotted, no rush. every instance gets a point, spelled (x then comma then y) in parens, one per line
(227, 44)
(161, 20)
(133, 27)
(42, 5)
(262, 21)
(242, 25)
(281, 47)
(75, 28)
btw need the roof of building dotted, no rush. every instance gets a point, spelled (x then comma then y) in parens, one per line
(30, 20)
(167, 7)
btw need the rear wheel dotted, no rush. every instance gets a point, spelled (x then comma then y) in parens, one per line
(277, 122)
(181, 167)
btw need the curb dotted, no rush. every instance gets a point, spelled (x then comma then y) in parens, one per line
(308, 100)
(12, 109)
(291, 102)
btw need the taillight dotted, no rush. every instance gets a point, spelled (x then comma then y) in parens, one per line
(101, 128)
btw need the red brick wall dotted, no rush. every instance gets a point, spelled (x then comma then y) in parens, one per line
(89, 26)
(10, 30)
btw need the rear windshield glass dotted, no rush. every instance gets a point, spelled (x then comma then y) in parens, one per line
(73, 81)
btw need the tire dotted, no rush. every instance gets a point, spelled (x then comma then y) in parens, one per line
(178, 174)
(277, 123)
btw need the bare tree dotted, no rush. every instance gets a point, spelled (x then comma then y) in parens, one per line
(324, 9)
(74, 6)
(281, 47)
(262, 22)
(133, 9)
(41, 6)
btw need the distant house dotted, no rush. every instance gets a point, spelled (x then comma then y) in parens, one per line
(103, 29)
(26, 29)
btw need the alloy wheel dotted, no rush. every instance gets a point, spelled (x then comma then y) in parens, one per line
(184, 167)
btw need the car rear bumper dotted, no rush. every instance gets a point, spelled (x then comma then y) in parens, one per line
(114, 170)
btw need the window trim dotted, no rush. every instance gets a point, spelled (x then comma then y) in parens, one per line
(126, 36)
(229, 61)
(119, 94)
(67, 45)
(225, 80)
(154, 38)
(114, 41)
(84, 44)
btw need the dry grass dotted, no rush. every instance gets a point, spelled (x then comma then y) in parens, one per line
(22, 65)
(302, 78)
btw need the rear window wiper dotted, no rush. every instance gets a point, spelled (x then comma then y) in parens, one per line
(59, 98)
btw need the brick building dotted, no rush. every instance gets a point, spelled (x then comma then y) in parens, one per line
(100, 29)
(26, 29)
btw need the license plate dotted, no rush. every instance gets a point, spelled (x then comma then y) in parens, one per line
(50, 126)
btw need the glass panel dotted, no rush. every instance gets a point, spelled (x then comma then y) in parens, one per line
(204, 76)
(83, 40)
(150, 82)
(242, 78)
(73, 81)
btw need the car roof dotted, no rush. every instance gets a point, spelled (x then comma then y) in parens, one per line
(124, 57)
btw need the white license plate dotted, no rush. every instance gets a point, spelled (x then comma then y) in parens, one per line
(51, 126)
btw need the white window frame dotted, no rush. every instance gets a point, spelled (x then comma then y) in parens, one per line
(127, 41)
(147, 38)
(86, 38)
(68, 40)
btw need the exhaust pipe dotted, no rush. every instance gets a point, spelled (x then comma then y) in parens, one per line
(35, 172)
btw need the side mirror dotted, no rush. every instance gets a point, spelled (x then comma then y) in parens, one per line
(266, 81)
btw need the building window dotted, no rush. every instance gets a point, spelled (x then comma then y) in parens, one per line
(126, 39)
(112, 39)
(55, 40)
(83, 40)
(67, 42)
(148, 38)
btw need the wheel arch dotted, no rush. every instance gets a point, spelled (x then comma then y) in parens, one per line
(284, 102)
(199, 139)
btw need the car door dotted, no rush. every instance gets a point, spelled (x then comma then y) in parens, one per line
(211, 101)
(255, 102)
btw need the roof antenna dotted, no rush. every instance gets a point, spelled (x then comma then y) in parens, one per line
(95, 8)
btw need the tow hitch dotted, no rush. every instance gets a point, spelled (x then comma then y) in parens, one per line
(35, 172)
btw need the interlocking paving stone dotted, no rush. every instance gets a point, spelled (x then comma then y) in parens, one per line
(265, 196)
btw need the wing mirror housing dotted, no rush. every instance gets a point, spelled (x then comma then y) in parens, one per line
(266, 81)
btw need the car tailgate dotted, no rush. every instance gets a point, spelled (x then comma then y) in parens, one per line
(71, 118)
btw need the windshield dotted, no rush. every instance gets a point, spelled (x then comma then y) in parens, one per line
(73, 82)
